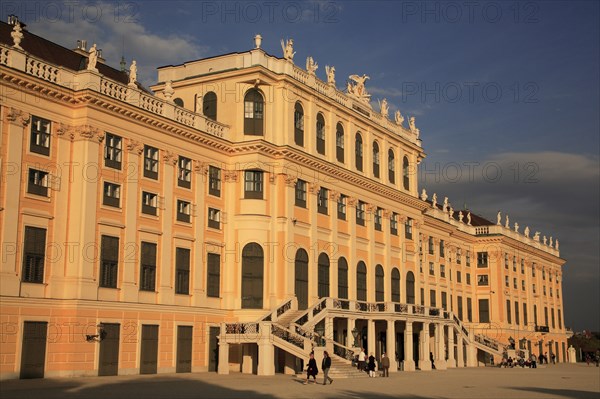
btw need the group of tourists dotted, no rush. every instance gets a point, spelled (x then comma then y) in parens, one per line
(368, 365)
(530, 362)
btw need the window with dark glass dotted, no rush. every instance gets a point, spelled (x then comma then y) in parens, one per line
(361, 281)
(443, 271)
(375, 159)
(209, 105)
(299, 125)
(40, 136)
(468, 278)
(514, 263)
(34, 255)
(113, 151)
(322, 201)
(522, 266)
(358, 152)
(320, 134)
(111, 194)
(182, 271)
(469, 310)
(109, 261)
(38, 183)
(379, 284)
(391, 167)
(300, 193)
(184, 172)
(150, 162)
(408, 227)
(444, 300)
(339, 143)
(378, 218)
(483, 279)
(184, 210)
(517, 316)
(525, 321)
(484, 310)
(431, 269)
(442, 249)
(506, 261)
(410, 288)
(214, 218)
(148, 267)
(342, 278)
(323, 276)
(178, 101)
(535, 319)
(341, 207)
(395, 285)
(149, 203)
(459, 305)
(482, 259)
(253, 184)
(506, 281)
(360, 213)
(468, 258)
(253, 113)
(515, 283)
(405, 173)
(508, 312)
(430, 244)
(432, 298)
(458, 256)
(214, 181)
(458, 276)
(213, 278)
(394, 224)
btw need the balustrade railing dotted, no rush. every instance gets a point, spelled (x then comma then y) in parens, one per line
(3, 56)
(482, 339)
(41, 70)
(241, 328)
(284, 308)
(288, 336)
(343, 351)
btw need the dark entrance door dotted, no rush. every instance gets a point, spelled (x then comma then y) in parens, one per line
(108, 363)
(149, 350)
(252, 277)
(184, 349)
(301, 280)
(416, 349)
(33, 352)
(213, 348)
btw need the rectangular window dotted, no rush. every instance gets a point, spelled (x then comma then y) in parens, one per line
(506, 282)
(148, 267)
(38, 182)
(40, 136)
(482, 259)
(468, 278)
(444, 301)
(113, 151)
(544, 290)
(214, 218)
(469, 310)
(322, 201)
(150, 162)
(550, 292)
(341, 207)
(184, 173)
(360, 213)
(522, 285)
(214, 181)
(484, 310)
(34, 254)
(559, 319)
(253, 184)
(432, 298)
(506, 261)
(458, 256)
(149, 203)
(546, 316)
(301, 193)
(394, 224)
(552, 318)
(182, 271)
(525, 321)
(508, 312)
(183, 211)
(112, 195)
(534, 288)
(109, 261)
(458, 277)
(422, 296)
(442, 250)
(517, 318)
(431, 269)
(378, 218)
(543, 274)
(443, 271)
(430, 245)
(459, 304)
(213, 278)
(522, 266)
(514, 263)
(468, 258)
(483, 279)
(533, 269)
(408, 227)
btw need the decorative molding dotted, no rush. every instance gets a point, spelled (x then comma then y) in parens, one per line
(66, 131)
(387, 213)
(352, 201)
(169, 157)
(290, 180)
(334, 195)
(200, 167)
(89, 132)
(18, 117)
(314, 188)
(135, 146)
(231, 176)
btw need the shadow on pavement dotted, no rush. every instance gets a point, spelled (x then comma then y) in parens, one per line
(567, 393)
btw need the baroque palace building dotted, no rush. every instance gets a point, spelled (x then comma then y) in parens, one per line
(241, 215)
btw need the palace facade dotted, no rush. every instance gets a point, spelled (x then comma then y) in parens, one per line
(241, 215)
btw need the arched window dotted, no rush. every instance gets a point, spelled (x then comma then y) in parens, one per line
(252, 276)
(391, 167)
(301, 278)
(342, 278)
(178, 101)
(209, 105)
(320, 134)
(358, 152)
(379, 285)
(361, 281)
(339, 142)
(254, 106)
(299, 125)
(375, 159)
(405, 173)
(410, 287)
(395, 285)
(323, 276)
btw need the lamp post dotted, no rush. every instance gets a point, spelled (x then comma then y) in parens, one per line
(355, 335)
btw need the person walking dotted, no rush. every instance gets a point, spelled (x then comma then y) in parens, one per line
(533, 361)
(361, 359)
(312, 369)
(325, 366)
(371, 365)
(385, 364)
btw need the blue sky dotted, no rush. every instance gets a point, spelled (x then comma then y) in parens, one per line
(506, 86)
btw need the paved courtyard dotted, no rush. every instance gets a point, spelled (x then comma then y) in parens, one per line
(560, 381)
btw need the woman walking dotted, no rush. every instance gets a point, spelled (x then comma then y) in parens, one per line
(371, 365)
(311, 370)
(326, 365)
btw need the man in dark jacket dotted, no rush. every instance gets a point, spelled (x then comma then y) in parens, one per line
(325, 366)
(385, 365)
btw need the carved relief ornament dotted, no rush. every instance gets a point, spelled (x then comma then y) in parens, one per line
(18, 117)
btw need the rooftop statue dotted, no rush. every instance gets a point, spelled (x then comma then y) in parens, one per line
(17, 35)
(516, 227)
(412, 126)
(545, 241)
(424, 195)
(499, 219)
(556, 244)
(507, 224)
(460, 216)
(550, 243)
(398, 118)
(133, 73)
(527, 231)
(358, 88)
(384, 108)
(434, 200)
(199, 103)
(536, 236)
(311, 65)
(451, 212)
(330, 71)
(168, 91)
(469, 219)
(257, 40)
(288, 49)
(92, 59)
(445, 205)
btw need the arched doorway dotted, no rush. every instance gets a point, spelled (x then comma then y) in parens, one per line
(301, 278)
(252, 276)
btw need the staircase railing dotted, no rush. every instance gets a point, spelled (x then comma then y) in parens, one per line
(274, 315)
(343, 351)
(488, 342)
